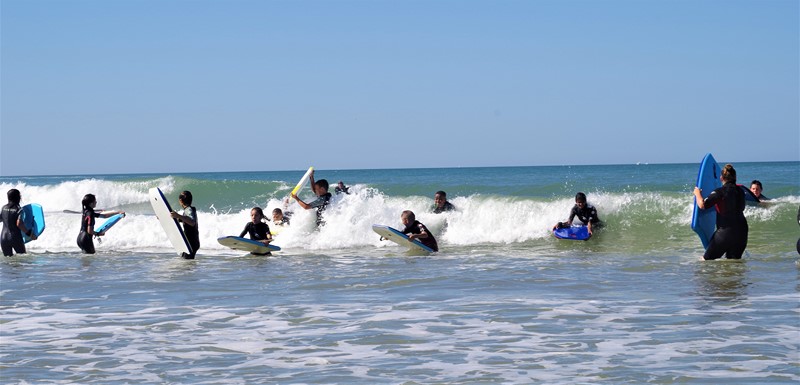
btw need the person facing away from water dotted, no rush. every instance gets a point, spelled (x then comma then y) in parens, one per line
(440, 203)
(585, 212)
(320, 189)
(257, 228)
(341, 188)
(730, 238)
(416, 230)
(13, 226)
(85, 241)
(756, 188)
(279, 218)
(189, 219)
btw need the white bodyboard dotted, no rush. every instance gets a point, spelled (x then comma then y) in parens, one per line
(399, 238)
(171, 226)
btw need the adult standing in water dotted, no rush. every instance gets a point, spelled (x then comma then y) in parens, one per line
(730, 238)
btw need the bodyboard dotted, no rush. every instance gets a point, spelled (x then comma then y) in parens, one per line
(111, 221)
(302, 181)
(244, 244)
(171, 226)
(704, 221)
(32, 216)
(574, 233)
(399, 238)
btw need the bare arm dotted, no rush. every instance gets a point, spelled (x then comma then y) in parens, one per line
(698, 197)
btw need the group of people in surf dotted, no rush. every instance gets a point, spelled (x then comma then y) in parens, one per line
(729, 239)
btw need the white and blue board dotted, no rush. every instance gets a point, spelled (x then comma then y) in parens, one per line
(303, 181)
(32, 216)
(249, 245)
(111, 221)
(171, 226)
(399, 238)
(574, 233)
(704, 221)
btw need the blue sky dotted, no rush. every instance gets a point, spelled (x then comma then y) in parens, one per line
(95, 86)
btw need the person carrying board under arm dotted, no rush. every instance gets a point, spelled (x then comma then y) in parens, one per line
(13, 226)
(320, 189)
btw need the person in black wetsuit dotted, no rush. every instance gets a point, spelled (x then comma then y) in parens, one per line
(87, 223)
(320, 188)
(13, 227)
(441, 204)
(189, 220)
(257, 228)
(730, 238)
(416, 230)
(585, 212)
(756, 188)
(341, 188)
(279, 218)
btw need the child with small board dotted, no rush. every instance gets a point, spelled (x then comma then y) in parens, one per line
(85, 242)
(257, 228)
(13, 226)
(416, 230)
(189, 220)
(320, 189)
(585, 212)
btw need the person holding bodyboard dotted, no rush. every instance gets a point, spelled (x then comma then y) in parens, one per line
(189, 219)
(415, 230)
(585, 212)
(85, 242)
(13, 225)
(320, 189)
(730, 237)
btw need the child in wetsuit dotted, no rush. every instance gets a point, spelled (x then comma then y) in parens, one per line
(416, 230)
(257, 228)
(86, 234)
(586, 213)
(189, 220)
(320, 188)
(13, 227)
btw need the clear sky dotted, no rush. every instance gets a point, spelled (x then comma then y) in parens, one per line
(138, 86)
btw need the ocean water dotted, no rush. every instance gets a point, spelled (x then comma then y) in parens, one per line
(502, 302)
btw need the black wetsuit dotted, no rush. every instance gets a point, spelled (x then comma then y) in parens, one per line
(84, 238)
(258, 231)
(192, 233)
(419, 228)
(730, 238)
(446, 207)
(586, 214)
(321, 204)
(11, 238)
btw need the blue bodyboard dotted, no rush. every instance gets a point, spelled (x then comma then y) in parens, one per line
(111, 221)
(704, 221)
(574, 233)
(32, 216)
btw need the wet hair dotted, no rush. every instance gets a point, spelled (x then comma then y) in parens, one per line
(186, 197)
(322, 183)
(729, 173)
(408, 214)
(277, 211)
(14, 196)
(87, 200)
(580, 197)
(258, 210)
(442, 193)
(756, 182)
